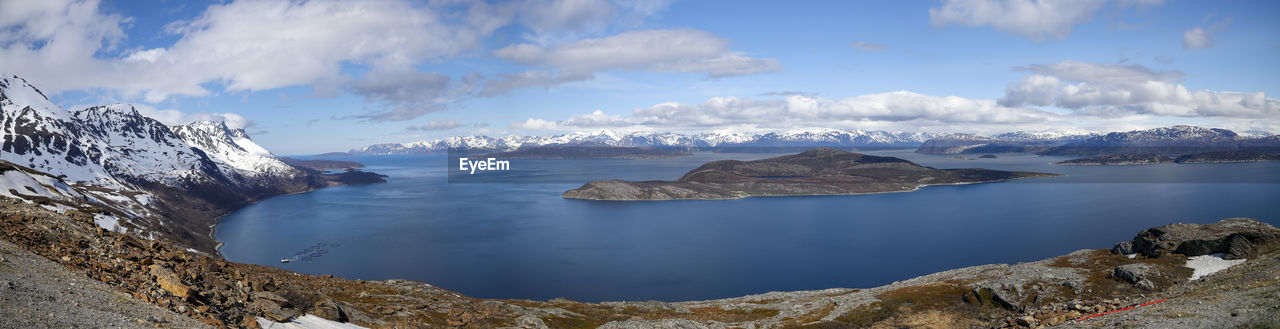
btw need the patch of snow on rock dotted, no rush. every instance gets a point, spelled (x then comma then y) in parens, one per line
(306, 322)
(108, 222)
(1208, 264)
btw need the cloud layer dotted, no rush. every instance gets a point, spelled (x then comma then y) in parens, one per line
(1112, 90)
(1038, 20)
(900, 108)
(677, 50)
(246, 46)
(1086, 91)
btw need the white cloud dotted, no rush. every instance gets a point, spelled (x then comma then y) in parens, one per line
(1117, 90)
(173, 117)
(727, 65)
(1200, 38)
(250, 46)
(246, 45)
(439, 125)
(678, 50)
(1033, 89)
(536, 124)
(1196, 38)
(567, 14)
(506, 82)
(1037, 20)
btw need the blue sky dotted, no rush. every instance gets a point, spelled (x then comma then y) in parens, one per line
(317, 76)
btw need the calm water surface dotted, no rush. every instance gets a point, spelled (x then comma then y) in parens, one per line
(521, 240)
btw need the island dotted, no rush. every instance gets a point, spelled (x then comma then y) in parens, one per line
(335, 172)
(1143, 159)
(822, 171)
(559, 151)
(1228, 157)
(322, 165)
(1118, 159)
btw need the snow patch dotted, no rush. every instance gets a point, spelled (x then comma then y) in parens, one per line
(108, 222)
(305, 322)
(1208, 264)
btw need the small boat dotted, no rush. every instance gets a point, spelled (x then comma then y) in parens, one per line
(284, 260)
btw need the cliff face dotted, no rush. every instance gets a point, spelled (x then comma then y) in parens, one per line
(821, 171)
(1048, 292)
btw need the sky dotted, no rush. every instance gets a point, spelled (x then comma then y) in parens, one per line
(331, 75)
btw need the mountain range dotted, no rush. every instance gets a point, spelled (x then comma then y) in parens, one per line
(136, 174)
(811, 137)
(1052, 143)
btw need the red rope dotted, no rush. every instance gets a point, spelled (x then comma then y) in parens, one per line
(1126, 308)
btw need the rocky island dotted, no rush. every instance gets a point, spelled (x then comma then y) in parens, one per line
(1206, 157)
(1118, 160)
(822, 171)
(1228, 157)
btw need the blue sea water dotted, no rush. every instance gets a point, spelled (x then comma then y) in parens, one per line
(517, 238)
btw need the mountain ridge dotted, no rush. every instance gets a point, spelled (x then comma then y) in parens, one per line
(156, 181)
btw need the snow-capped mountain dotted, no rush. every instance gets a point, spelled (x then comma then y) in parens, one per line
(232, 150)
(1173, 140)
(155, 180)
(721, 139)
(1018, 141)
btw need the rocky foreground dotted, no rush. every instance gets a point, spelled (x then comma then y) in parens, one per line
(822, 171)
(1054, 291)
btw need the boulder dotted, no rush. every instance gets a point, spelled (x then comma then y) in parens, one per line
(1134, 272)
(272, 311)
(169, 281)
(329, 310)
(1123, 248)
(1236, 238)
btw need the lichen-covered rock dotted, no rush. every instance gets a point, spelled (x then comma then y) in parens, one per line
(329, 310)
(1235, 237)
(169, 281)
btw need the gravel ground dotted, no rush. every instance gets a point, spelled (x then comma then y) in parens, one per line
(38, 293)
(1243, 296)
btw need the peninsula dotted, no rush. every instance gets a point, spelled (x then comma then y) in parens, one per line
(822, 171)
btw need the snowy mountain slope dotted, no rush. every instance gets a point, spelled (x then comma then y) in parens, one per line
(140, 147)
(40, 135)
(30, 186)
(227, 148)
(242, 139)
(1019, 141)
(150, 179)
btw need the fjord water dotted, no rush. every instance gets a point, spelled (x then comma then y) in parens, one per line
(522, 240)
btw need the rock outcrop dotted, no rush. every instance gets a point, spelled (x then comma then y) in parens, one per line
(1235, 238)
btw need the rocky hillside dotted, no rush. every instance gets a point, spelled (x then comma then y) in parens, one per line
(1055, 291)
(821, 171)
(151, 180)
